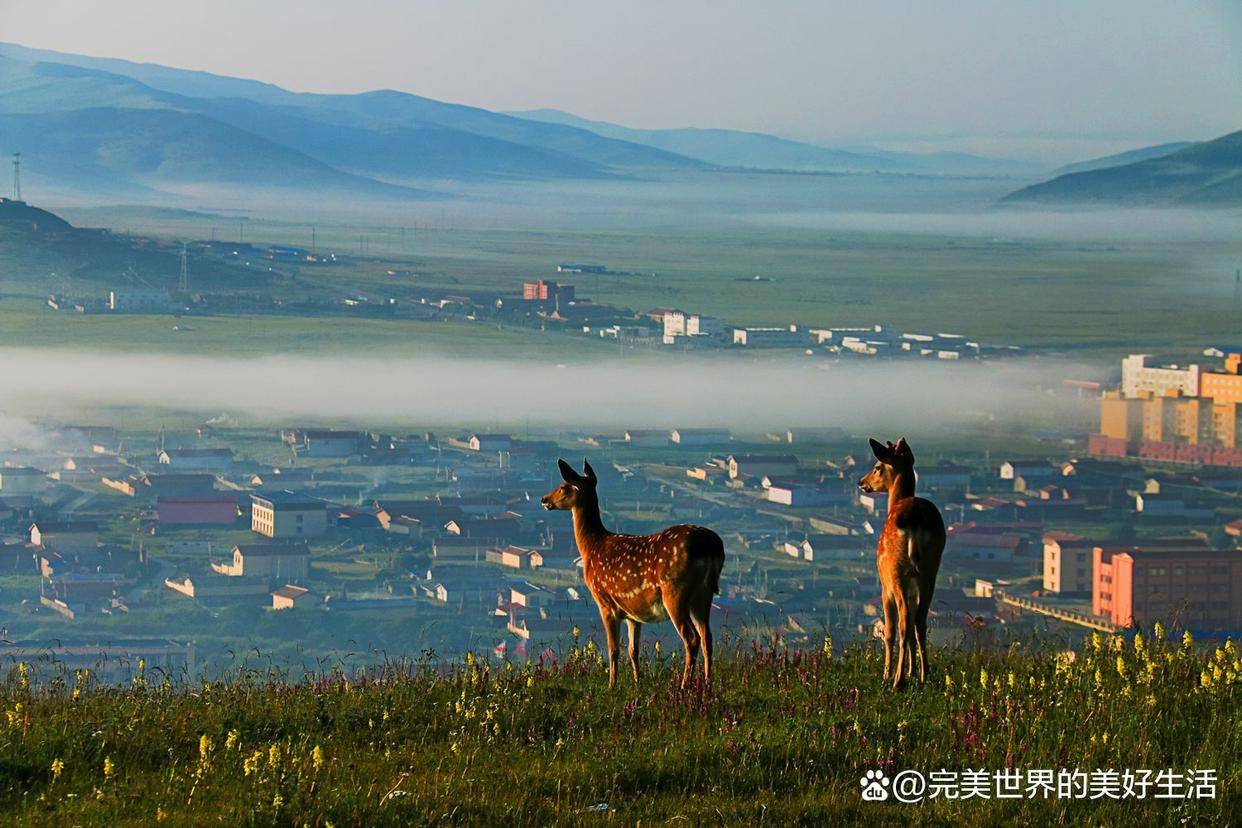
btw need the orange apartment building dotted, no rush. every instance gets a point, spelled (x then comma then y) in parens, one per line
(1171, 581)
(1169, 425)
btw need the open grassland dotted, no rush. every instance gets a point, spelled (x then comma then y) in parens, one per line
(782, 738)
(1094, 301)
(25, 323)
(1094, 285)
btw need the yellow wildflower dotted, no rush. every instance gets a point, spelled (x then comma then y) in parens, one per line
(317, 758)
(108, 768)
(58, 767)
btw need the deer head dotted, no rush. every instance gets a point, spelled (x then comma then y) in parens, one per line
(577, 491)
(891, 462)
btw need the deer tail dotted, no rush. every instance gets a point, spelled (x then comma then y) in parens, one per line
(718, 561)
(912, 551)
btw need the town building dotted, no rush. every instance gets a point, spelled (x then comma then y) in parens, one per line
(786, 337)
(73, 536)
(273, 561)
(679, 324)
(762, 465)
(552, 293)
(199, 459)
(686, 437)
(22, 481)
(201, 510)
(1067, 563)
(329, 443)
(1138, 379)
(139, 300)
(290, 596)
(1175, 415)
(489, 442)
(1198, 587)
(646, 438)
(285, 514)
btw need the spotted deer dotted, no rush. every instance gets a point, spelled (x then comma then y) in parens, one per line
(907, 556)
(669, 576)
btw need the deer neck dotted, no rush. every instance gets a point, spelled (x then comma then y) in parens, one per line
(902, 486)
(589, 529)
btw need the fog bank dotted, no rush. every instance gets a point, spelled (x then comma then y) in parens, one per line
(747, 395)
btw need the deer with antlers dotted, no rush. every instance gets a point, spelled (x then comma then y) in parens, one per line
(669, 576)
(907, 557)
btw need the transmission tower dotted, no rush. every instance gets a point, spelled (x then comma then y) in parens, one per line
(185, 270)
(17, 176)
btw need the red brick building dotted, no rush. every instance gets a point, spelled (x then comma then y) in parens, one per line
(1186, 582)
(544, 291)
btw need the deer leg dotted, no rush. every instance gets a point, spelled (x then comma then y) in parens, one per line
(612, 629)
(903, 633)
(920, 631)
(701, 618)
(636, 631)
(691, 639)
(890, 632)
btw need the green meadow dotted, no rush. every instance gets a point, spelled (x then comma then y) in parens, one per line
(782, 737)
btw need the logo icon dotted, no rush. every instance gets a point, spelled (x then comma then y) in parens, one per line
(874, 786)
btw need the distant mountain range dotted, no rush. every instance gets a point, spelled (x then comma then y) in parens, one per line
(107, 126)
(734, 148)
(1122, 158)
(1204, 174)
(103, 125)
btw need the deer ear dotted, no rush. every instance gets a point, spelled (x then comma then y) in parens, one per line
(881, 451)
(567, 471)
(588, 472)
(904, 451)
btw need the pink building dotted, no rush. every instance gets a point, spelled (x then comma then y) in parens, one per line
(1193, 585)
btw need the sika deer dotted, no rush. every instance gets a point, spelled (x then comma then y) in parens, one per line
(907, 556)
(671, 575)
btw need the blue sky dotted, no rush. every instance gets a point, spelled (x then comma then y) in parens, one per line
(1021, 77)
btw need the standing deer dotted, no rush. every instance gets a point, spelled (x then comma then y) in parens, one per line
(671, 575)
(907, 556)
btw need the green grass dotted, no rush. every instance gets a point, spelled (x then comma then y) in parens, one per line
(26, 324)
(1096, 299)
(782, 738)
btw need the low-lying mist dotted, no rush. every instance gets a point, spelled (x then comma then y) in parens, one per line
(745, 394)
(1067, 225)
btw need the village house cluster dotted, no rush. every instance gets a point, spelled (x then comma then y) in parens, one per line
(446, 532)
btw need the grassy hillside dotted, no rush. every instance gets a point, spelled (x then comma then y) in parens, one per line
(783, 738)
(107, 148)
(1206, 173)
(1127, 157)
(386, 134)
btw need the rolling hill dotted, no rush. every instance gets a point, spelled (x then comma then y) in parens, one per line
(735, 148)
(1204, 174)
(110, 150)
(1122, 158)
(89, 115)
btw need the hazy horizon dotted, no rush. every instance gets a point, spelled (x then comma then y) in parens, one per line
(1055, 81)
